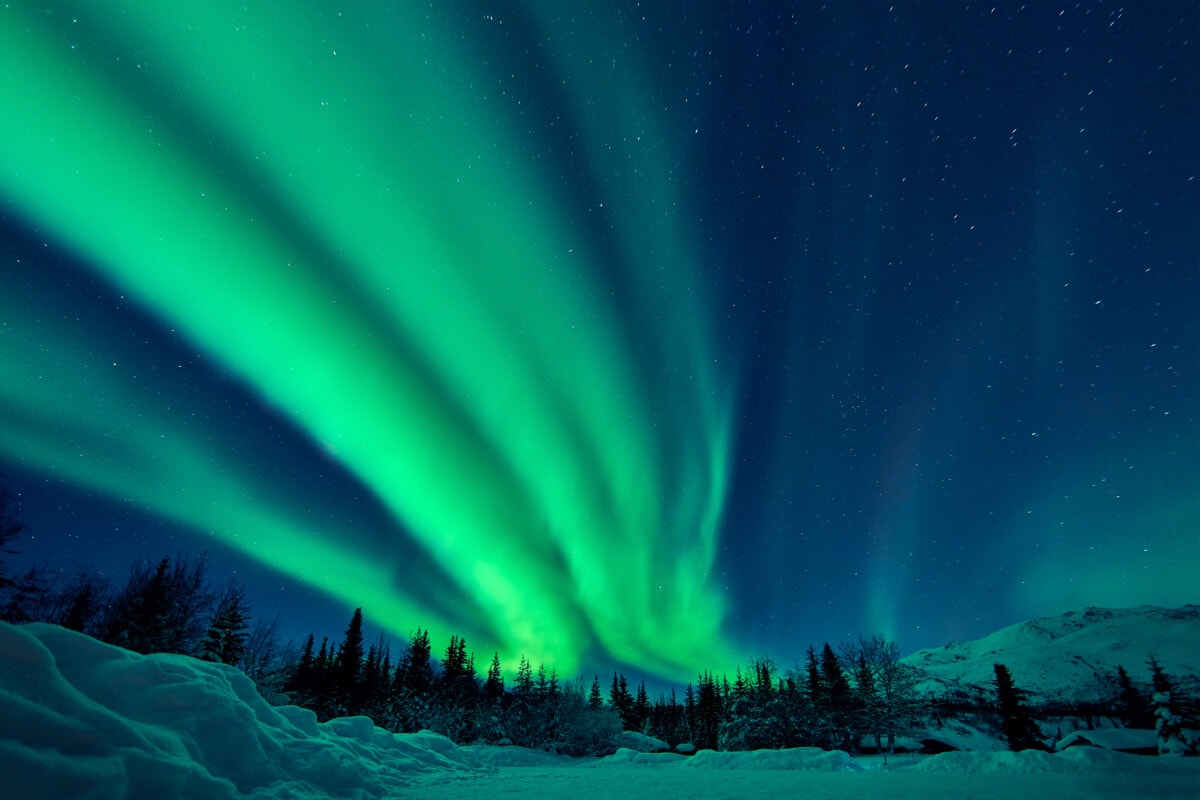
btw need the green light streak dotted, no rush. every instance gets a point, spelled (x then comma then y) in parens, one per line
(94, 426)
(354, 233)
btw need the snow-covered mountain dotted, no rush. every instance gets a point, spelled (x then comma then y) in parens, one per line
(1072, 655)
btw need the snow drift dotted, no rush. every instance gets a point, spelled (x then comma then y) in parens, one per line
(79, 718)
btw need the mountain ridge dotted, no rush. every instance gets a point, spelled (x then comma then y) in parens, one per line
(1071, 656)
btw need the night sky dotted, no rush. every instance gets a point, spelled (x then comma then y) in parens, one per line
(656, 337)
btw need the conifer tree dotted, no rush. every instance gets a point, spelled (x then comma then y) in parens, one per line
(833, 677)
(160, 610)
(813, 682)
(375, 678)
(708, 714)
(458, 691)
(523, 684)
(415, 674)
(1175, 717)
(26, 597)
(225, 641)
(1019, 728)
(323, 671)
(689, 714)
(595, 699)
(622, 701)
(493, 687)
(80, 603)
(299, 684)
(833, 706)
(739, 685)
(641, 709)
(348, 666)
(1132, 706)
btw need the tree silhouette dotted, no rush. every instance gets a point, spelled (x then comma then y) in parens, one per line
(10, 527)
(1019, 728)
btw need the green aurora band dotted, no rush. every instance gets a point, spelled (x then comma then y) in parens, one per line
(340, 216)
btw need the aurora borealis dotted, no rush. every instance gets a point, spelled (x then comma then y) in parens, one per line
(605, 334)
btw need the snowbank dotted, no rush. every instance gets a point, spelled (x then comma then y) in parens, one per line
(625, 756)
(632, 740)
(1126, 739)
(1034, 762)
(811, 759)
(79, 718)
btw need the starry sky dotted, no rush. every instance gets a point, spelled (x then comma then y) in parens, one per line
(652, 336)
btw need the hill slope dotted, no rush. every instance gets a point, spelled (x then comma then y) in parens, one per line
(1072, 655)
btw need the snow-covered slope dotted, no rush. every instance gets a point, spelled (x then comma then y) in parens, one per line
(79, 718)
(1070, 655)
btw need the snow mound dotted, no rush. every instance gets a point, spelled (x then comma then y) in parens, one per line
(632, 740)
(811, 759)
(79, 718)
(956, 734)
(1112, 739)
(625, 756)
(1077, 760)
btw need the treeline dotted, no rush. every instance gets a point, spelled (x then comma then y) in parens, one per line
(166, 607)
(830, 705)
(447, 695)
(858, 696)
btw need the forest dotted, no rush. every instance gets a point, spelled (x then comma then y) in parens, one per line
(859, 697)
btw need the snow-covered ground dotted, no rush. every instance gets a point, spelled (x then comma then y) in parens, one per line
(81, 719)
(1079, 773)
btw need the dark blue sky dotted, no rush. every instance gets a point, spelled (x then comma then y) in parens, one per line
(942, 262)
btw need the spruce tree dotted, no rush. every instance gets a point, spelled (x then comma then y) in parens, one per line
(622, 701)
(833, 677)
(707, 724)
(595, 699)
(347, 668)
(419, 667)
(813, 681)
(375, 678)
(523, 684)
(641, 709)
(299, 684)
(225, 641)
(1175, 717)
(493, 687)
(146, 625)
(322, 669)
(1132, 706)
(1019, 728)
(689, 711)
